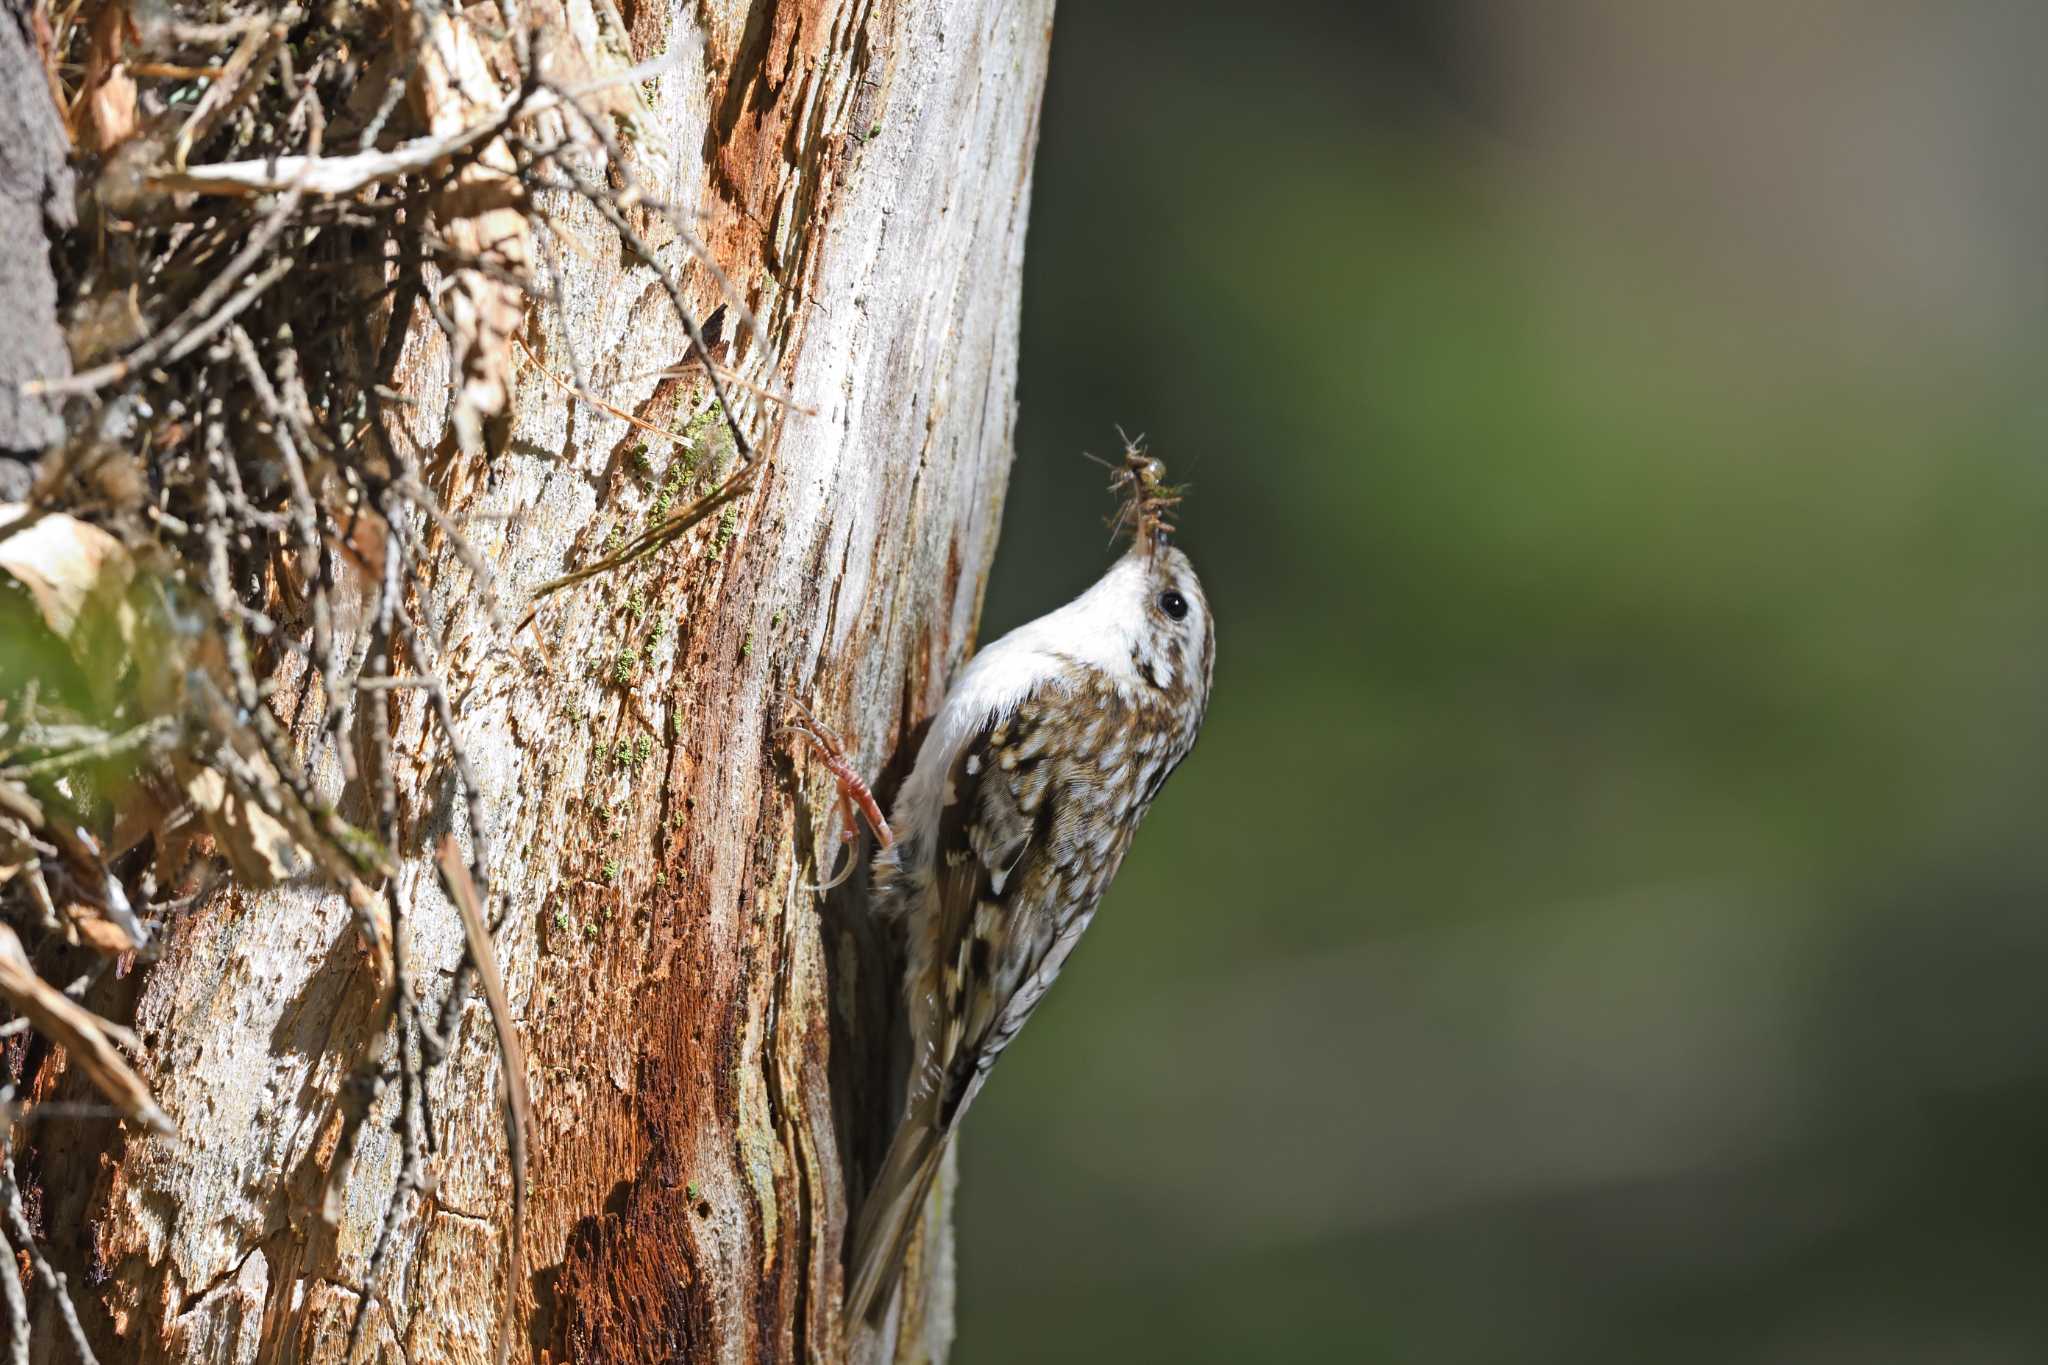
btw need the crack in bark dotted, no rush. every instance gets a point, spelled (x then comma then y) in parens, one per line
(191, 1303)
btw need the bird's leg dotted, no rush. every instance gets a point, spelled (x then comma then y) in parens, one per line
(854, 794)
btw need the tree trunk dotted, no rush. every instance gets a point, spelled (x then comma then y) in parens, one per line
(35, 196)
(703, 1033)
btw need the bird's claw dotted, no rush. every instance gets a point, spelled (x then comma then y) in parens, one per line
(855, 799)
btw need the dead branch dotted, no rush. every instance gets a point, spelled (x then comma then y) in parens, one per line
(17, 1225)
(345, 175)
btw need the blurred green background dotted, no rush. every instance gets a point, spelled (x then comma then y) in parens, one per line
(1603, 918)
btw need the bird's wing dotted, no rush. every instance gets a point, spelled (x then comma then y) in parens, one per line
(1037, 813)
(984, 836)
(985, 831)
(1019, 869)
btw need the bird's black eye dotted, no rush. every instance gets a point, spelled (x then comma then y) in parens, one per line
(1173, 604)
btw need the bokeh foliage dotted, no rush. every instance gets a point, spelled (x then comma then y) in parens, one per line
(1603, 917)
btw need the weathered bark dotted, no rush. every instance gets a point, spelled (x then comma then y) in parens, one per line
(35, 195)
(702, 1079)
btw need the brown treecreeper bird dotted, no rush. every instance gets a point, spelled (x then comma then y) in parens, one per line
(1038, 767)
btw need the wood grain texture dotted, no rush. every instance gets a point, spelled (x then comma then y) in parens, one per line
(700, 1068)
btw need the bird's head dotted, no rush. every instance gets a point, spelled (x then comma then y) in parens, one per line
(1160, 612)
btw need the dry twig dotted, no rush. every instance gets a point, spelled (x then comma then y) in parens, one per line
(17, 1225)
(511, 1061)
(284, 514)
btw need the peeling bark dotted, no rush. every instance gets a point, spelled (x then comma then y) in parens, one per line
(703, 1038)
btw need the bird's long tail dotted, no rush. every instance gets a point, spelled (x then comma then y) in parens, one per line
(894, 1206)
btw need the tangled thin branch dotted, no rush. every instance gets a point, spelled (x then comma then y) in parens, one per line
(244, 455)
